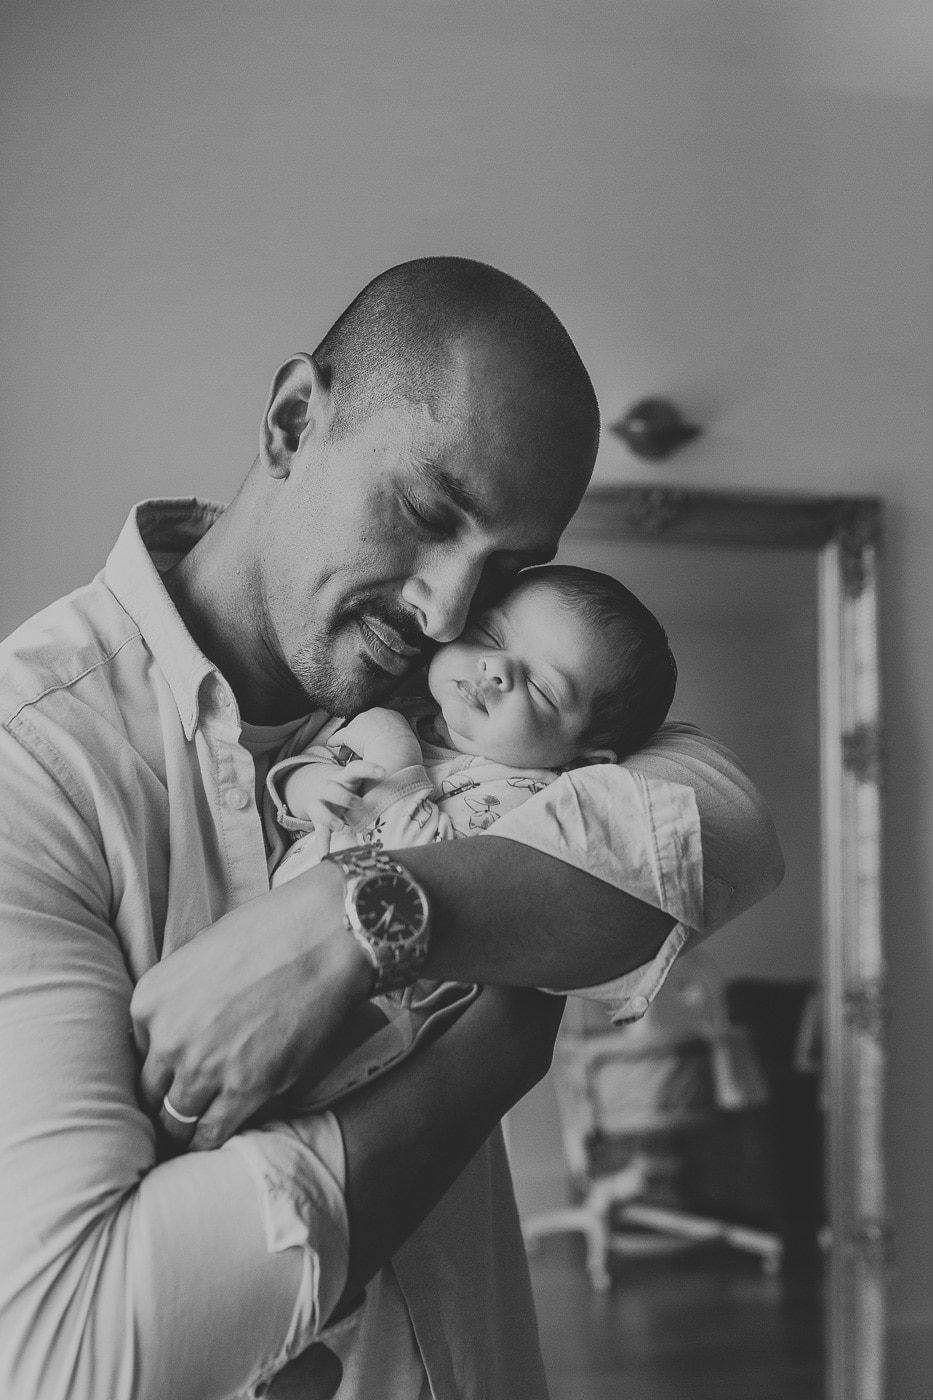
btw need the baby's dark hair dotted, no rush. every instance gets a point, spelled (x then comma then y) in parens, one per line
(640, 683)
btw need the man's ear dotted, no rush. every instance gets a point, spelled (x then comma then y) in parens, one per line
(299, 402)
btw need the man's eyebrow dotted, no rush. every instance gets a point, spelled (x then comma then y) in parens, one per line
(464, 499)
(456, 492)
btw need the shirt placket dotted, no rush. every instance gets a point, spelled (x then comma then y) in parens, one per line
(237, 815)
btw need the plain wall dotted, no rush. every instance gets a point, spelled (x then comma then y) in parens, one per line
(728, 202)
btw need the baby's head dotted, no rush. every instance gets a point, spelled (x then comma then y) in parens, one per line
(567, 665)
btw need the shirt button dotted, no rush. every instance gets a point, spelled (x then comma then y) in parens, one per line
(639, 1005)
(237, 799)
(217, 695)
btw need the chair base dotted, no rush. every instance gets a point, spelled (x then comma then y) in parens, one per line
(659, 1230)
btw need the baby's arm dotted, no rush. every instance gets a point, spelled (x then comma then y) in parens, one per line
(382, 737)
(320, 790)
(320, 793)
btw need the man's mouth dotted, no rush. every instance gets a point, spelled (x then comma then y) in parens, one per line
(473, 695)
(387, 647)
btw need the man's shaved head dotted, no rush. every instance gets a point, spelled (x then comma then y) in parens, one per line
(436, 443)
(397, 342)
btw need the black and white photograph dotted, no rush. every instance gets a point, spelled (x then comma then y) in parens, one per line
(465, 498)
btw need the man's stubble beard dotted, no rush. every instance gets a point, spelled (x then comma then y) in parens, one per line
(337, 691)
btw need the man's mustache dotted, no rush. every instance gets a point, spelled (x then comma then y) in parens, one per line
(403, 623)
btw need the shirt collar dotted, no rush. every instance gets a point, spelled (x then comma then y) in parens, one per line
(156, 535)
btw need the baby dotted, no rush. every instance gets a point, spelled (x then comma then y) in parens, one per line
(567, 668)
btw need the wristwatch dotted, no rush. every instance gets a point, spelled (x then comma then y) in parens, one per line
(388, 914)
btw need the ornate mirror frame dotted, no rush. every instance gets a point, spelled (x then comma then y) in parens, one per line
(844, 533)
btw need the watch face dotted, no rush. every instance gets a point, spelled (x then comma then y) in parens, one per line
(390, 908)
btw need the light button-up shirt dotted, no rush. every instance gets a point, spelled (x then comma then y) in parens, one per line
(128, 822)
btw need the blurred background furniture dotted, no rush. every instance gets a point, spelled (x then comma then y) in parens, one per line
(700, 1122)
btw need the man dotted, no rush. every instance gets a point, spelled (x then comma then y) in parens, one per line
(437, 442)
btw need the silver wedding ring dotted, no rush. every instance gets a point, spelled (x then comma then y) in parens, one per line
(172, 1111)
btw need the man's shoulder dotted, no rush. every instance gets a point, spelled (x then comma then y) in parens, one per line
(682, 749)
(742, 854)
(71, 641)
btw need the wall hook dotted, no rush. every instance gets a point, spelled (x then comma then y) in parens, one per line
(654, 428)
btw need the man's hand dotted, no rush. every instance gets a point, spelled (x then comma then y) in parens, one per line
(230, 1020)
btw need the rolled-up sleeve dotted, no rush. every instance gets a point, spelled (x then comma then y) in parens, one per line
(120, 1276)
(679, 826)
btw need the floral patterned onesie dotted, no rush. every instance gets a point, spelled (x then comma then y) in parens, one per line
(446, 796)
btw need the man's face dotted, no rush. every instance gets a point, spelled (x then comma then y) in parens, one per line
(378, 542)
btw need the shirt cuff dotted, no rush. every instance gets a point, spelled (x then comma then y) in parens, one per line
(286, 820)
(413, 1017)
(299, 1171)
(641, 835)
(628, 997)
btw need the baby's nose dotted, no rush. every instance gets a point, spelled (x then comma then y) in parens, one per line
(496, 670)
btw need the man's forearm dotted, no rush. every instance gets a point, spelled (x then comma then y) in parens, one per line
(506, 914)
(409, 1135)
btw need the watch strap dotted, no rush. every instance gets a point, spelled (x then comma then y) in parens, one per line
(396, 963)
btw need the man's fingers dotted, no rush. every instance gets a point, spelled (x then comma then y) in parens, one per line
(140, 1033)
(179, 1118)
(139, 1017)
(220, 1120)
(177, 1108)
(154, 1081)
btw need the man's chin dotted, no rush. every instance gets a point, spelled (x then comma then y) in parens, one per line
(345, 678)
(359, 688)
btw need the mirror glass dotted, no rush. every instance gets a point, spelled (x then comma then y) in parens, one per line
(681, 1315)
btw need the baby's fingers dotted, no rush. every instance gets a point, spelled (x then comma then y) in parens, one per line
(332, 804)
(359, 771)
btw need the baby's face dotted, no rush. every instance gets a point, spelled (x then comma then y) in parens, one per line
(518, 685)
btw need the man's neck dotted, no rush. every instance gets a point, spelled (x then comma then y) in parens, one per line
(225, 628)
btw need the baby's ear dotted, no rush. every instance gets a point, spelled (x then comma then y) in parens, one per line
(598, 756)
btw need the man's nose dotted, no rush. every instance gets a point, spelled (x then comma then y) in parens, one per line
(442, 597)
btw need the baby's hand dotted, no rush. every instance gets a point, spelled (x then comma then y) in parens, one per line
(324, 793)
(383, 737)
